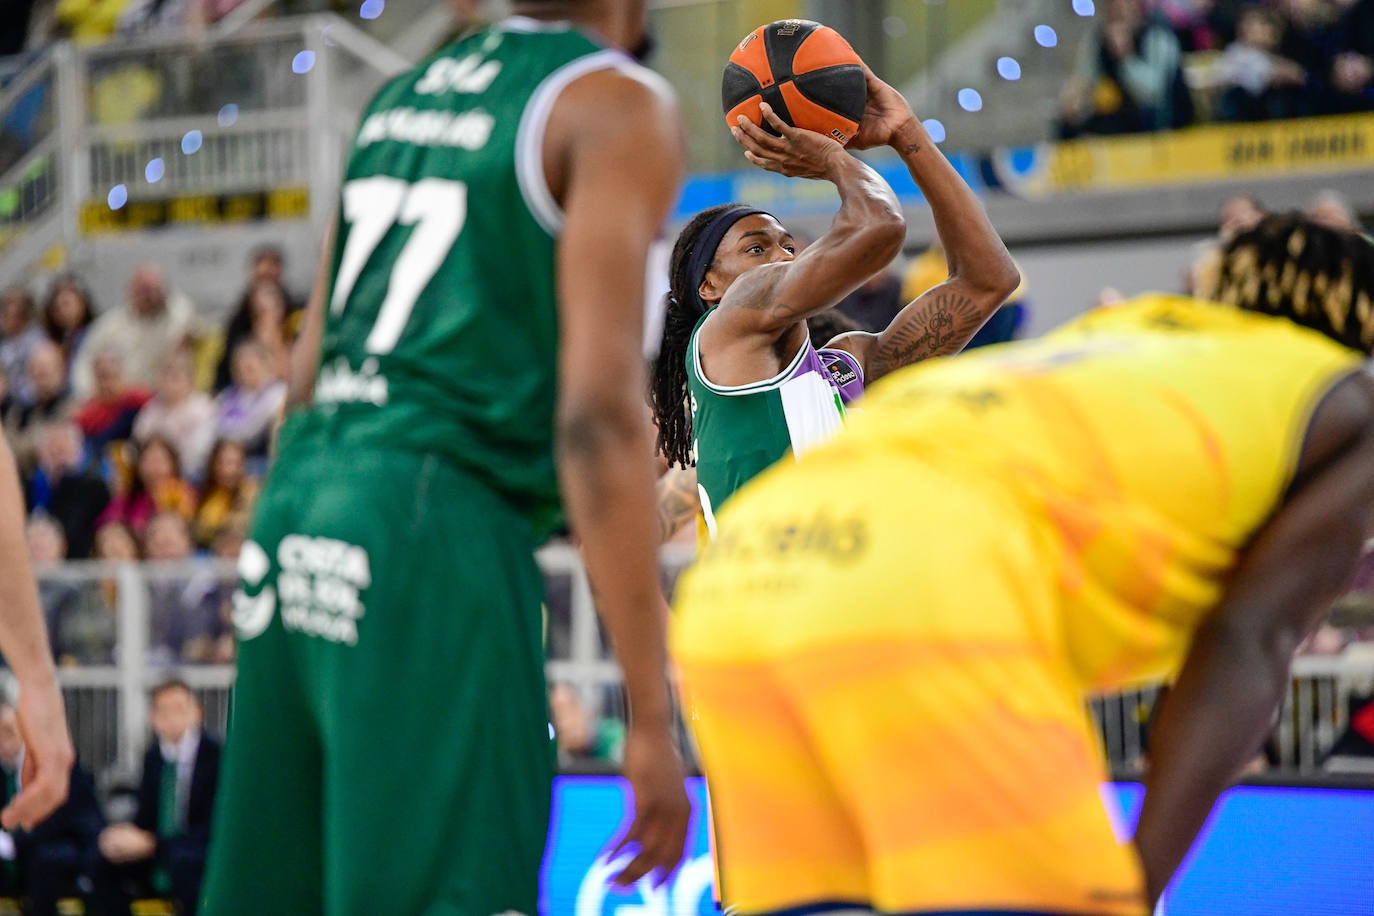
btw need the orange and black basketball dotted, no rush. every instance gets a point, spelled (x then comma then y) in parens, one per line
(805, 71)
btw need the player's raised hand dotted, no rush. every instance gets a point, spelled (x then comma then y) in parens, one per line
(48, 755)
(796, 153)
(659, 832)
(886, 112)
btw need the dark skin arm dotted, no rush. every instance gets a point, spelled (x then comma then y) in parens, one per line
(604, 438)
(1224, 701)
(678, 503)
(981, 272)
(761, 320)
(305, 353)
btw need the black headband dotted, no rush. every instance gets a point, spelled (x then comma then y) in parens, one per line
(704, 251)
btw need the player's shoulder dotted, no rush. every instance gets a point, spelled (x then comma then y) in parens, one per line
(621, 89)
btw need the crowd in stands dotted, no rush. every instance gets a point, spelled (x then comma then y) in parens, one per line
(82, 860)
(141, 434)
(1160, 64)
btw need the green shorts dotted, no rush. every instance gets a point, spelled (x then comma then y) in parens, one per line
(389, 748)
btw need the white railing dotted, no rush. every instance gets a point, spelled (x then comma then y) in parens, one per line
(107, 703)
(93, 118)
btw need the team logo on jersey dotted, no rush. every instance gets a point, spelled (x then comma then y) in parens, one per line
(252, 613)
(321, 584)
(841, 373)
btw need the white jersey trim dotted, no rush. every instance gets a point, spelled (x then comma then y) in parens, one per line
(529, 138)
(751, 388)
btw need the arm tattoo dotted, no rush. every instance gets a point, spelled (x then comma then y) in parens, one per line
(676, 501)
(939, 327)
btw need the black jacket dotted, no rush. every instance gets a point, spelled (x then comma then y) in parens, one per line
(199, 806)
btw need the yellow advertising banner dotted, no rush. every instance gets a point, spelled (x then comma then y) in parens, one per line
(192, 209)
(1202, 154)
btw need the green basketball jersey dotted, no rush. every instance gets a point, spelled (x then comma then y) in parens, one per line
(738, 431)
(442, 329)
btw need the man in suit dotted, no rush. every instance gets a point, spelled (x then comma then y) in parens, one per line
(163, 851)
(45, 864)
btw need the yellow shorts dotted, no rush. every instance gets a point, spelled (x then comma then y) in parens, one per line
(880, 706)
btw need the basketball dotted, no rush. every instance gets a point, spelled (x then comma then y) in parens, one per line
(805, 71)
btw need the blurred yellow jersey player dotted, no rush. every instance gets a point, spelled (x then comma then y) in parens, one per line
(889, 645)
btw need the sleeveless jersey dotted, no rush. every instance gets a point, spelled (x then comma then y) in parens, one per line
(441, 333)
(740, 430)
(1148, 443)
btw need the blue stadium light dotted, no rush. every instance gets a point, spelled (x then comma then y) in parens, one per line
(228, 115)
(935, 128)
(1008, 68)
(190, 143)
(371, 9)
(1084, 7)
(154, 170)
(119, 196)
(1046, 36)
(303, 62)
(970, 100)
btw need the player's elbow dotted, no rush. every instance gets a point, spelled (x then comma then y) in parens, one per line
(994, 283)
(590, 427)
(880, 235)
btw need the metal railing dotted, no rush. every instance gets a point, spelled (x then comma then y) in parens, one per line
(107, 701)
(269, 106)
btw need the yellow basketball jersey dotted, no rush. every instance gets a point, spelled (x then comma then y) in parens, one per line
(1148, 442)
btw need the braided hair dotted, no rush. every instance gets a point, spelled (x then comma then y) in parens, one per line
(685, 308)
(1315, 276)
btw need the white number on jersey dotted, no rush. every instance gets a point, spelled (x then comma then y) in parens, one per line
(435, 207)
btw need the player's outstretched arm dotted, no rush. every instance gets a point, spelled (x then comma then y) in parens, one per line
(1222, 707)
(24, 641)
(618, 182)
(981, 271)
(866, 234)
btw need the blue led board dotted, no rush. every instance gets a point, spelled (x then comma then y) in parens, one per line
(1265, 851)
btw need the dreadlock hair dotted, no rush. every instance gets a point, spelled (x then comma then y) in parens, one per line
(669, 382)
(1315, 276)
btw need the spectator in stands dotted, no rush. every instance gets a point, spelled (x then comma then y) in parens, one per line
(873, 306)
(1128, 77)
(115, 542)
(67, 315)
(228, 493)
(46, 864)
(163, 850)
(1192, 23)
(18, 337)
(181, 415)
(81, 627)
(88, 21)
(52, 401)
(248, 408)
(145, 331)
(1238, 213)
(155, 485)
(183, 626)
(1311, 38)
(1259, 84)
(265, 293)
(1330, 208)
(1352, 71)
(108, 416)
(64, 488)
(580, 733)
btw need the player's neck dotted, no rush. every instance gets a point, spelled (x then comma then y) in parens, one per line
(592, 17)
